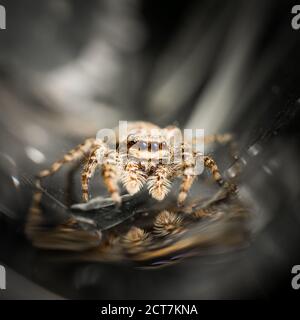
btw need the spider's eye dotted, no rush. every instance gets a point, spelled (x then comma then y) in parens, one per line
(154, 146)
(163, 145)
(130, 138)
(143, 145)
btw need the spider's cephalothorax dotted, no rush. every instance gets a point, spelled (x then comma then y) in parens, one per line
(144, 156)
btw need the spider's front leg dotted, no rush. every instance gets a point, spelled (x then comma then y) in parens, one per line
(189, 174)
(185, 186)
(188, 177)
(89, 169)
(111, 176)
(107, 159)
(74, 154)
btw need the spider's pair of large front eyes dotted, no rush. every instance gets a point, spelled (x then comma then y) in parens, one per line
(154, 146)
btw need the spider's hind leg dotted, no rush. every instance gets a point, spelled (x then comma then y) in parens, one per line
(219, 138)
(74, 154)
(224, 139)
(210, 163)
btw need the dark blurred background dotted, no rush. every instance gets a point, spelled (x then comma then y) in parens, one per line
(71, 67)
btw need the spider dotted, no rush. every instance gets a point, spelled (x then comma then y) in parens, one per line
(140, 163)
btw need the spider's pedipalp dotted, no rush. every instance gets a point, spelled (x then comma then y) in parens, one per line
(159, 184)
(133, 178)
(74, 154)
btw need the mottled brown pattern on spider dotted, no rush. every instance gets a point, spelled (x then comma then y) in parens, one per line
(142, 164)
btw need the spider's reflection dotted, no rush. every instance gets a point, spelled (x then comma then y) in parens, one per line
(149, 234)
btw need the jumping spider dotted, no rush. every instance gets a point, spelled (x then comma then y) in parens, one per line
(141, 163)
